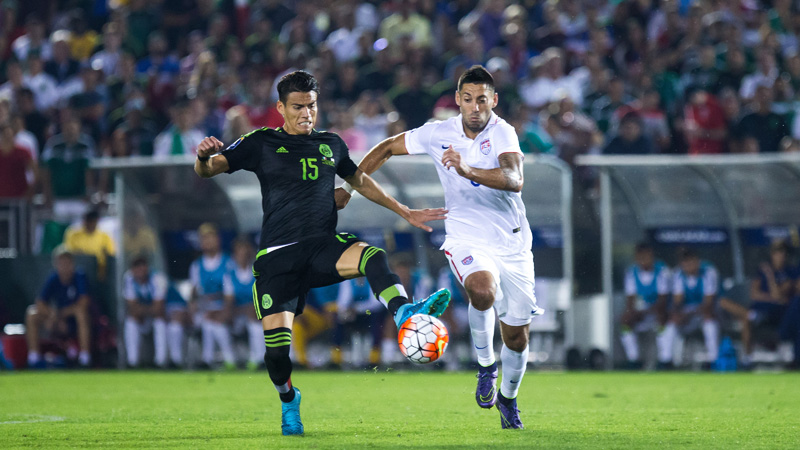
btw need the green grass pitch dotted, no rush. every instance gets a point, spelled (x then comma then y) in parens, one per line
(379, 409)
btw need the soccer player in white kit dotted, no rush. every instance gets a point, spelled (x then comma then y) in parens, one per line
(488, 239)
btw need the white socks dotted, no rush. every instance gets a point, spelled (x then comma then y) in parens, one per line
(665, 341)
(160, 341)
(630, 344)
(711, 336)
(513, 367)
(175, 340)
(481, 324)
(255, 335)
(132, 341)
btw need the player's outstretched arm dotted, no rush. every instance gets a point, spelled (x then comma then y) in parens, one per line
(209, 163)
(507, 177)
(370, 189)
(373, 160)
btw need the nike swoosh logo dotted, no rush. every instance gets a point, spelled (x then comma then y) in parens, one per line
(481, 348)
(513, 382)
(445, 147)
(489, 397)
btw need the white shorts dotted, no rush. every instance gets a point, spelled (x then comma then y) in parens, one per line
(515, 301)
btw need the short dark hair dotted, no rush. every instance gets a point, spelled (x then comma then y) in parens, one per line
(297, 81)
(476, 74)
(643, 247)
(686, 253)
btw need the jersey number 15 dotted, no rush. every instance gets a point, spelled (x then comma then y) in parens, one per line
(310, 168)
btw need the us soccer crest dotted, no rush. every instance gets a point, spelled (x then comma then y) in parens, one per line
(486, 146)
(467, 261)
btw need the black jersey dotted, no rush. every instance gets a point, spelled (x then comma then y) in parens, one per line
(297, 175)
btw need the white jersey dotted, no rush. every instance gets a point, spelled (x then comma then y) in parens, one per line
(492, 218)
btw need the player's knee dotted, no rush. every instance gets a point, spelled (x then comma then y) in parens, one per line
(516, 341)
(481, 297)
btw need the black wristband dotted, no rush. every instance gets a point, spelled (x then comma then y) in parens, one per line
(203, 158)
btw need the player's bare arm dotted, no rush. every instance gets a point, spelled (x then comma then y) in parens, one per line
(370, 189)
(373, 160)
(507, 177)
(209, 163)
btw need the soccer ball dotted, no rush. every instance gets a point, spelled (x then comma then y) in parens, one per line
(422, 338)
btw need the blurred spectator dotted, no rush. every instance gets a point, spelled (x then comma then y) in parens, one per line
(138, 238)
(647, 287)
(605, 108)
(181, 137)
(353, 136)
(731, 107)
(65, 163)
(61, 66)
(694, 294)
(654, 121)
(82, 39)
(372, 114)
(704, 123)
(207, 275)
(630, 140)
(108, 59)
(344, 40)
(15, 162)
(24, 138)
(238, 287)
(770, 293)
(762, 130)
(549, 81)
(765, 75)
(87, 239)
(33, 41)
(406, 23)
(412, 102)
(145, 292)
(14, 81)
(42, 84)
(35, 122)
(60, 310)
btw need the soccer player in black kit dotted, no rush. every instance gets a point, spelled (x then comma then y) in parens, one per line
(299, 248)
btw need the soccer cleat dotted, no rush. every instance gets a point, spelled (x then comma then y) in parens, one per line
(486, 393)
(509, 414)
(434, 306)
(290, 416)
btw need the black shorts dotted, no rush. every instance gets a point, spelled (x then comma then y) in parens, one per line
(284, 276)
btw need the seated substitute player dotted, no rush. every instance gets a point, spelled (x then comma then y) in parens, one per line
(488, 239)
(694, 293)
(62, 303)
(238, 288)
(145, 293)
(770, 294)
(647, 289)
(296, 166)
(206, 275)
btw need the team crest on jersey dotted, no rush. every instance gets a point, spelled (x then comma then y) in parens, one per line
(325, 150)
(236, 143)
(467, 261)
(486, 146)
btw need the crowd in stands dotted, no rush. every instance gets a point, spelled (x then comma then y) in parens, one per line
(83, 79)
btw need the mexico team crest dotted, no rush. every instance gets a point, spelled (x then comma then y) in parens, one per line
(486, 146)
(325, 150)
(467, 261)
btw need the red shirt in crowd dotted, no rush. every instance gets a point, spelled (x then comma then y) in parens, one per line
(706, 117)
(13, 165)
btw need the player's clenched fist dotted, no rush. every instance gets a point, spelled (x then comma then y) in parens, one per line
(451, 158)
(209, 146)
